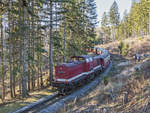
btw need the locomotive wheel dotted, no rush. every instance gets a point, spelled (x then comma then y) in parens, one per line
(92, 76)
(80, 83)
(85, 80)
(63, 91)
(88, 78)
(99, 72)
(96, 73)
(103, 69)
(72, 88)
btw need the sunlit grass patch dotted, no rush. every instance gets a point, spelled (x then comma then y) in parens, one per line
(18, 103)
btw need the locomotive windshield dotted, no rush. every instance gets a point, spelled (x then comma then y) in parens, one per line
(89, 60)
(78, 59)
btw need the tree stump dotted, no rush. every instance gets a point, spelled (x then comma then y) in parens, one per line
(119, 47)
(125, 98)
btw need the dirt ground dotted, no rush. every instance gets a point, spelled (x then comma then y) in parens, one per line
(12, 105)
(128, 90)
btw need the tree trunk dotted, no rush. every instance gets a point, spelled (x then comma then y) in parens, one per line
(41, 77)
(29, 79)
(114, 33)
(29, 53)
(2, 62)
(38, 82)
(10, 51)
(14, 85)
(32, 81)
(125, 98)
(20, 86)
(51, 44)
(13, 61)
(20, 49)
(64, 41)
(25, 54)
(32, 64)
(149, 23)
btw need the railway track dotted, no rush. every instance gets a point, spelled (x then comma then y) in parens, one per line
(45, 104)
(55, 101)
(41, 104)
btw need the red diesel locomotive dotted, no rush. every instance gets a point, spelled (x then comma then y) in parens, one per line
(80, 70)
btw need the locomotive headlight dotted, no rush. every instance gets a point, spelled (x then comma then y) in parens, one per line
(66, 81)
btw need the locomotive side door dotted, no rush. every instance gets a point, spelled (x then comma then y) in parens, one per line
(89, 64)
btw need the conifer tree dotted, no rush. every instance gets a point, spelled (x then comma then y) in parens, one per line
(114, 15)
(114, 18)
(105, 26)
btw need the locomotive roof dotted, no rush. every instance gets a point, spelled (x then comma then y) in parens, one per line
(70, 64)
(82, 56)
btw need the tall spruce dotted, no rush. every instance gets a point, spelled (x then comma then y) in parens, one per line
(24, 54)
(114, 14)
(114, 18)
(105, 27)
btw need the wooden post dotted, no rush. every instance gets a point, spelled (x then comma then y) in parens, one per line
(125, 98)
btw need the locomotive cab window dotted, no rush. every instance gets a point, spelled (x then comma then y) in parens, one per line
(81, 59)
(87, 60)
(74, 59)
(90, 59)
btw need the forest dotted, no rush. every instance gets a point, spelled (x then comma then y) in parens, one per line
(133, 23)
(36, 35)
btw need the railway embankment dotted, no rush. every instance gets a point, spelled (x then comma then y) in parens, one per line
(128, 88)
(52, 107)
(76, 95)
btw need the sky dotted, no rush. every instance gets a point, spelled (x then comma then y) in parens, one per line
(104, 5)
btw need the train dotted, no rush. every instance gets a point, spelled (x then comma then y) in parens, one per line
(80, 70)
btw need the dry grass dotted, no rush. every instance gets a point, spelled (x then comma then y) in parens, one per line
(137, 45)
(109, 99)
(12, 105)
